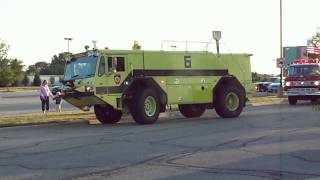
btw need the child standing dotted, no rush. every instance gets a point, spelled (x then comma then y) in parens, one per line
(58, 100)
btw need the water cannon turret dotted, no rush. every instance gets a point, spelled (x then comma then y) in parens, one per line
(136, 45)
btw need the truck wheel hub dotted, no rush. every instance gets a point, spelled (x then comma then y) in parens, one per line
(232, 101)
(150, 106)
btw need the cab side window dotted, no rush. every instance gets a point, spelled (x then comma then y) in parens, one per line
(102, 66)
(116, 63)
(120, 63)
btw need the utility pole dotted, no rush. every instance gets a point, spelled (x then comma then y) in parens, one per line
(68, 39)
(281, 48)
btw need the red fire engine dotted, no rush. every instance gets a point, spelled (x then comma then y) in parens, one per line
(303, 81)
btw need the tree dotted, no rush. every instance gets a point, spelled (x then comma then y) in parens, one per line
(16, 68)
(6, 75)
(32, 70)
(36, 80)
(57, 64)
(3, 50)
(25, 80)
(56, 67)
(315, 39)
(42, 67)
(11, 73)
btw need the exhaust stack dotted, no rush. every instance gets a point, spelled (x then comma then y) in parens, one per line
(217, 36)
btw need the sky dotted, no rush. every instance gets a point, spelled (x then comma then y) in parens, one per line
(35, 29)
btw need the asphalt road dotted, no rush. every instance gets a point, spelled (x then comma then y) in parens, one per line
(26, 102)
(267, 142)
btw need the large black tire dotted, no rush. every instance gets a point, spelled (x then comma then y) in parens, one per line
(292, 100)
(107, 115)
(145, 106)
(192, 110)
(223, 97)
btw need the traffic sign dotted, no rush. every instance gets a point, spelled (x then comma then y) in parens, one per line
(280, 62)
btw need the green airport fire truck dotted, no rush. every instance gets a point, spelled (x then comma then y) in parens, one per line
(144, 83)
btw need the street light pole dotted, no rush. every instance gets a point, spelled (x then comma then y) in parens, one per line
(281, 48)
(68, 39)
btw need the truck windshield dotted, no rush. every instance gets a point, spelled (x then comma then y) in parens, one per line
(304, 70)
(82, 67)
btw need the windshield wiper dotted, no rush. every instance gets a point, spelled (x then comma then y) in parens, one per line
(75, 76)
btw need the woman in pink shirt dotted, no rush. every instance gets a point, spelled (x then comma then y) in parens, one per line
(44, 96)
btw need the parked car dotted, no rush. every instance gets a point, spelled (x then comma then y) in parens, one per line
(55, 89)
(262, 86)
(275, 79)
(273, 87)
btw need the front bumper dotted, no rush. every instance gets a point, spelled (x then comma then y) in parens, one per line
(82, 100)
(302, 92)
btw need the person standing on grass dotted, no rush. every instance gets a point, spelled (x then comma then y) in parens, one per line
(44, 96)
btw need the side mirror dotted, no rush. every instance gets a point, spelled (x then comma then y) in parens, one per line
(111, 71)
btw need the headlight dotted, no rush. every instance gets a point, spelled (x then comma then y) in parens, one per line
(317, 83)
(288, 83)
(88, 88)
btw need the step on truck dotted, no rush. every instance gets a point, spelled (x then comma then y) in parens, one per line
(144, 83)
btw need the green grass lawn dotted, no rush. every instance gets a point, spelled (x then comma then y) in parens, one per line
(267, 99)
(51, 117)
